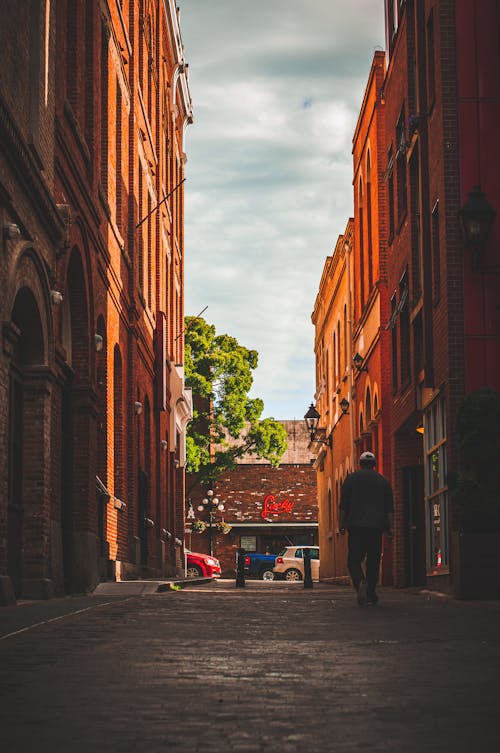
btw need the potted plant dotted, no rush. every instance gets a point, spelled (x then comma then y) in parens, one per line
(223, 527)
(475, 493)
(198, 526)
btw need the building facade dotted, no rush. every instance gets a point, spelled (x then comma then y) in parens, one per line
(424, 318)
(266, 508)
(441, 98)
(94, 103)
(334, 445)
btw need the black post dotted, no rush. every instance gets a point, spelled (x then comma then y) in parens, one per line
(240, 569)
(308, 583)
(210, 545)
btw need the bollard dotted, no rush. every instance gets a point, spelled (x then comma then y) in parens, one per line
(240, 569)
(308, 583)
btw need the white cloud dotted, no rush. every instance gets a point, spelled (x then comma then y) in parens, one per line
(276, 86)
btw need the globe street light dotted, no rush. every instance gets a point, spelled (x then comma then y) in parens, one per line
(210, 503)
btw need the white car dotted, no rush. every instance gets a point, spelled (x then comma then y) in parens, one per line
(289, 563)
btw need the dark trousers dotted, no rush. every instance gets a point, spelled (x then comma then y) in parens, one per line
(364, 542)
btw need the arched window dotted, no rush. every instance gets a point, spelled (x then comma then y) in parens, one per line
(368, 406)
(361, 245)
(369, 222)
(118, 420)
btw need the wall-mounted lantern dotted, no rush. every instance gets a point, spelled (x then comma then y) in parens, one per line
(316, 435)
(476, 220)
(358, 361)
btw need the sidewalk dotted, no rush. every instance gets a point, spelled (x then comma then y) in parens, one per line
(271, 667)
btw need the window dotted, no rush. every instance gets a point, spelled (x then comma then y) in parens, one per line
(436, 254)
(338, 351)
(394, 343)
(335, 374)
(431, 68)
(435, 486)
(401, 167)
(368, 406)
(118, 425)
(390, 191)
(418, 343)
(249, 543)
(416, 236)
(369, 222)
(404, 330)
(346, 355)
(119, 155)
(104, 110)
(361, 245)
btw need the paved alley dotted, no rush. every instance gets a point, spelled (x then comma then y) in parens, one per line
(272, 667)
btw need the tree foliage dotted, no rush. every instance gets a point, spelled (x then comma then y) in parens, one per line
(226, 421)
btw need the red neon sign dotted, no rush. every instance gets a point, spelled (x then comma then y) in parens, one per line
(270, 506)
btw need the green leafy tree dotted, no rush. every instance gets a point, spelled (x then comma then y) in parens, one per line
(226, 421)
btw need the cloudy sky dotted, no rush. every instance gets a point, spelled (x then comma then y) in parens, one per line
(276, 88)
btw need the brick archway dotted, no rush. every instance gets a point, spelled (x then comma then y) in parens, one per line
(28, 511)
(80, 557)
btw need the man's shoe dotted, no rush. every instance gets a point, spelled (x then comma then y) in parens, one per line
(371, 600)
(362, 593)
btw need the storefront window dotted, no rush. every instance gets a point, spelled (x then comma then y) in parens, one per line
(248, 543)
(435, 487)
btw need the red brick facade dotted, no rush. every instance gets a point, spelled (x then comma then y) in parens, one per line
(427, 329)
(243, 493)
(94, 101)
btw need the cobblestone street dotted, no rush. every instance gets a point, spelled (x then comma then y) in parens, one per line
(271, 667)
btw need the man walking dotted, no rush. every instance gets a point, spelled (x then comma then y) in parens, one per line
(366, 506)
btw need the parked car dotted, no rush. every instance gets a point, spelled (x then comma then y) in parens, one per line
(259, 565)
(290, 563)
(201, 565)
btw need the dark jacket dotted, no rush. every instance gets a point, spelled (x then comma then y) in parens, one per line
(366, 500)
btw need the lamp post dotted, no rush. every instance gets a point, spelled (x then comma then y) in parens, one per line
(210, 504)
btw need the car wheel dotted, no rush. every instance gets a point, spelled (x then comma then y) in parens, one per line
(293, 574)
(193, 571)
(267, 575)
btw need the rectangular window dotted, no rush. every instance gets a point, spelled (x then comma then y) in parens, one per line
(390, 190)
(249, 543)
(394, 344)
(119, 156)
(435, 487)
(431, 68)
(418, 344)
(404, 330)
(436, 254)
(416, 236)
(401, 167)
(104, 110)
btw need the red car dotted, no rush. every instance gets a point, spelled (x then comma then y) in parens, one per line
(201, 565)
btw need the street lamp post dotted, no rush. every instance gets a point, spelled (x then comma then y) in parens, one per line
(210, 503)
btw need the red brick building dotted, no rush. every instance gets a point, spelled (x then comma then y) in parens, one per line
(250, 492)
(94, 101)
(442, 95)
(425, 306)
(334, 448)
